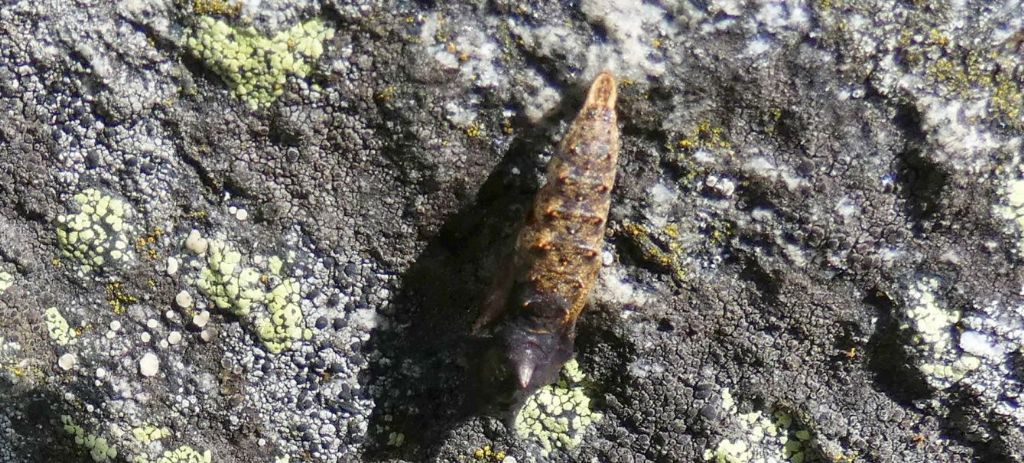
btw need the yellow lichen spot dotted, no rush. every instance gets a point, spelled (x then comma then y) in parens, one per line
(118, 298)
(770, 119)
(79, 330)
(1007, 97)
(672, 230)
(825, 5)
(969, 73)
(662, 248)
(16, 370)
(474, 130)
(147, 245)
(487, 454)
(218, 7)
(706, 136)
(197, 215)
(721, 233)
(945, 70)
(506, 127)
(387, 94)
(936, 37)
(443, 36)
(185, 454)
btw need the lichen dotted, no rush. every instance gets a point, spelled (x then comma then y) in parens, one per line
(661, 247)
(240, 289)
(396, 439)
(762, 438)
(97, 233)
(182, 454)
(217, 7)
(487, 454)
(229, 285)
(284, 324)
(1012, 209)
(964, 75)
(964, 71)
(254, 66)
(148, 433)
(99, 449)
(704, 135)
(701, 140)
(557, 416)
(148, 244)
(185, 454)
(118, 297)
(931, 328)
(58, 328)
(6, 280)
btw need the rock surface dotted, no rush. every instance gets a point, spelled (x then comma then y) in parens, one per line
(258, 231)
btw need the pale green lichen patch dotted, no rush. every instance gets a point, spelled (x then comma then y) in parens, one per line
(99, 449)
(7, 272)
(275, 264)
(185, 454)
(147, 434)
(96, 233)
(1013, 209)
(182, 454)
(284, 324)
(396, 439)
(58, 328)
(932, 327)
(558, 415)
(229, 285)
(761, 438)
(256, 67)
(266, 299)
(6, 280)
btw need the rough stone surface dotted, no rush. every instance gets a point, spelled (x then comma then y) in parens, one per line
(814, 254)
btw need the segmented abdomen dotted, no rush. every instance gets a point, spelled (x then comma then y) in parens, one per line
(560, 243)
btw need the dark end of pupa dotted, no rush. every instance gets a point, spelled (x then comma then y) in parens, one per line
(509, 365)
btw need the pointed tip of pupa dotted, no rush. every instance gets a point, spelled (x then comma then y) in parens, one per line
(603, 91)
(524, 373)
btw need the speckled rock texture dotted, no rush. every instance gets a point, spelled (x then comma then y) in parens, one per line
(258, 231)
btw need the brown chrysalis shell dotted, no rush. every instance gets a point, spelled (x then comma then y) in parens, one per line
(535, 300)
